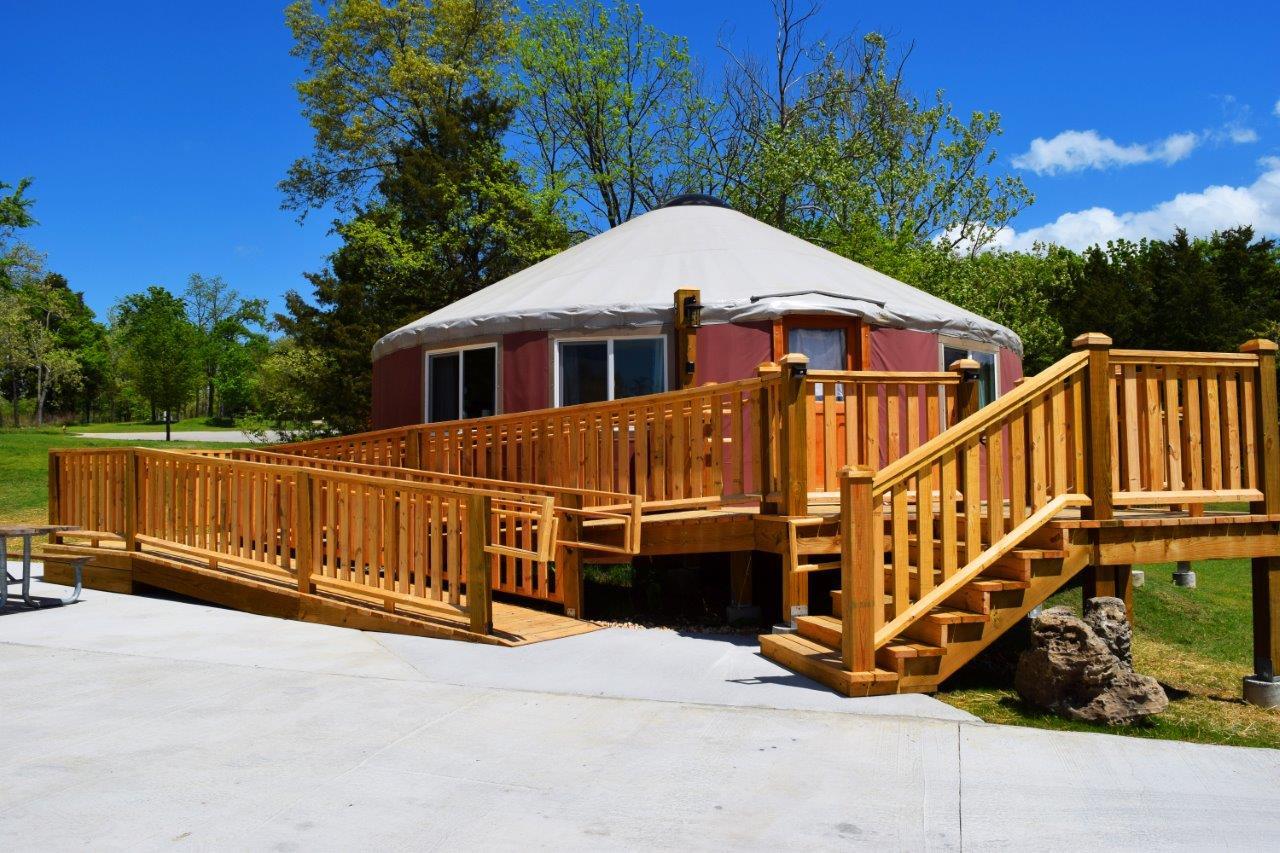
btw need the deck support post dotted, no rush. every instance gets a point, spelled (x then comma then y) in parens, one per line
(131, 500)
(1110, 581)
(569, 560)
(767, 451)
(859, 597)
(479, 595)
(303, 530)
(794, 437)
(1263, 688)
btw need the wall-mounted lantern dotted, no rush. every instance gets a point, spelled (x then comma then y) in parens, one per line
(688, 317)
(692, 310)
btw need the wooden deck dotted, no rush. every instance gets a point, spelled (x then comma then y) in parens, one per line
(946, 523)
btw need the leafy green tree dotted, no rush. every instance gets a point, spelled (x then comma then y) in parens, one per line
(159, 346)
(603, 105)
(17, 328)
(409, 117)
(379, 76)
(825, 140)
(15, 214)
(231, 340)
(1187, 294)
(285, 391)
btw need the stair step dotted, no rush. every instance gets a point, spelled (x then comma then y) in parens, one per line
(817, 567)
(820, 629)
(823, 664)
(947, 615)
(827, 631)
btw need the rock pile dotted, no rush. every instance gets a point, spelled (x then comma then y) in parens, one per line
(1083, 668)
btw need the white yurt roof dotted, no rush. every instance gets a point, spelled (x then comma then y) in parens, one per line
(745, 269)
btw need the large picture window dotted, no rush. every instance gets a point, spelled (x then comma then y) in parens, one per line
(588, 371)
(462, 383)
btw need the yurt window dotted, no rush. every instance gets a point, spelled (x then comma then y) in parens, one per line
(462, 383)
(588, 371)
(826, 349)
(987, 386)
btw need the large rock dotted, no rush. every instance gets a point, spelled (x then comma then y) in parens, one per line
(1085, 673)
(1110, 622)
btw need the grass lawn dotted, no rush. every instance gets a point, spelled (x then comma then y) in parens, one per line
(1196, 642)
(186, 425)
(24, 467)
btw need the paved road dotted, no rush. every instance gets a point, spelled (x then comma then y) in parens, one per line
(228, 435)
(134, 723)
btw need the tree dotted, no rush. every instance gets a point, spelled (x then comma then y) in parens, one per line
(285, 392)
(15, 214)
(379, 77)
(1207, 294)
(828, 143)
(603, 102)
(17, 328)
(160, 348)
(55, 365)
(409, 121)
(231, 338)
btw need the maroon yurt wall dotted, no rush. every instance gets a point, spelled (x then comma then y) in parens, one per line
(526, 371)
(397, 388)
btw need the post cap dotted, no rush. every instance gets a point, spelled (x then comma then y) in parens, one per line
(795, 358)
(1091, 340)
(768, 367)
(963, 365)
(857, 472)
(1259, 345)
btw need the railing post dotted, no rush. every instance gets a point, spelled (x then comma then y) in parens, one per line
(1263, 688)
(794, 437)
(966, 402)
(765, 452)
(303, 530)
(55, 487)
(131, 500)
(858, 598)
(1097, 397)
(569, 560)
(479, 596)
(1268, 425)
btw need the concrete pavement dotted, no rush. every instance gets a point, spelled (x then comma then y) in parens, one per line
(136, 723)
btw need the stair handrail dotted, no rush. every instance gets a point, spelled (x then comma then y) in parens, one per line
(866, 495)
(977, 566)
(929, 452)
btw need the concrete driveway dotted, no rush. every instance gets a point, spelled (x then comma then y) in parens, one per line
(227, 435)
(137, 723)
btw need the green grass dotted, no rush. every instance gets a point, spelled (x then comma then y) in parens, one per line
(1196, 642)
(184, 425)
(24, 467)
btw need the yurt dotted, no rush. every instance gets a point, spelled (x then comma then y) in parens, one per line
(689, 293)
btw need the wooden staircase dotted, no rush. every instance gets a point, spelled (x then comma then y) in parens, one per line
(932, 648)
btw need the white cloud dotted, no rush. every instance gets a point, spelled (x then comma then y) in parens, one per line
(1212, 209)
(1074, 150)
(1276, 109)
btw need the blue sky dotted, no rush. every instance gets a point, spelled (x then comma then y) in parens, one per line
(157, 132)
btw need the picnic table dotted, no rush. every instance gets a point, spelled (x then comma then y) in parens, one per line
(29, 532)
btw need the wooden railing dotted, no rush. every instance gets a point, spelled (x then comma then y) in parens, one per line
(403, 544)
(1188, 427)
(777, 437)
(681, 448)
(1183, 428)
(870, 419)
(612, 513)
